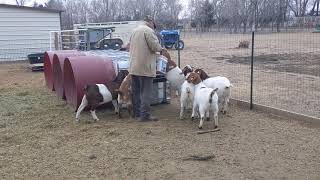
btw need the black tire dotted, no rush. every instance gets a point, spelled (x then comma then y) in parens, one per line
(116, 45)
(179, 45)
(105, 45)
(168, 46)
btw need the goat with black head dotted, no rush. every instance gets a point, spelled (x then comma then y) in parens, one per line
(98, 94)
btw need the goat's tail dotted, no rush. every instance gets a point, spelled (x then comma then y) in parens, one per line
(211, 94)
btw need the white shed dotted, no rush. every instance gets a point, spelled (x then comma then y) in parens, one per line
(25, 30)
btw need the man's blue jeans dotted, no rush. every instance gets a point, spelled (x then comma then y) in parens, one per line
(141, 96)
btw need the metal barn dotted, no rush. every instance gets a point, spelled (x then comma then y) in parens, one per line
(25, 30)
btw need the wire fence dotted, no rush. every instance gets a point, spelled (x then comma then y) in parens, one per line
(19, 49)
(286, 66)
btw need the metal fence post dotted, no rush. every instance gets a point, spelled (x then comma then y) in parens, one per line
(50, 40)
(88, 40)
(251, 77)
(178, 48)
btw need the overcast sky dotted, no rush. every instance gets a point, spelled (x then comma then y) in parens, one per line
(30, 2)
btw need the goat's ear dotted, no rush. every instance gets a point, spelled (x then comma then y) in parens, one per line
(216, 89)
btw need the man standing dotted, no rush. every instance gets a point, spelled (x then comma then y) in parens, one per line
(144, 45)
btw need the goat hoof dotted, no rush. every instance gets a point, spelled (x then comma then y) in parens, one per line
(224, 112)
(77, 120)
(215, 127)
(192, 118)
(200, 127)
(208, 119)
(181, 118)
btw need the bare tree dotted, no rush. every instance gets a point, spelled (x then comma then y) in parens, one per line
(315, 8)
(298, 7)
(35, 4)
(21, 2)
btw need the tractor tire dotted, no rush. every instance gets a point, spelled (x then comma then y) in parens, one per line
(114, 44)
(179, 45)
(105, 45)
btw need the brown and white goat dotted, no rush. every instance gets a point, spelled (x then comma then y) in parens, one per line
(222, 83)
(125, 95)
(205, 100)
(98, 94)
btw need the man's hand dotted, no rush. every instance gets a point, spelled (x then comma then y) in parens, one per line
(163, 51)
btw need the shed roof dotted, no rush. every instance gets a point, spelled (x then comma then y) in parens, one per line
(31, 8)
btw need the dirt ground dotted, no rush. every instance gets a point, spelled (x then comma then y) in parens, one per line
(286, 66)
(39, 138)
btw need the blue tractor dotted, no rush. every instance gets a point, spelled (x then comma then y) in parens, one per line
(171, 38)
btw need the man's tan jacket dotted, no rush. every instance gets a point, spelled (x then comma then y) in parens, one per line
(143, 47)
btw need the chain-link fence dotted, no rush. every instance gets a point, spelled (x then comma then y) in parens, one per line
(286, 66)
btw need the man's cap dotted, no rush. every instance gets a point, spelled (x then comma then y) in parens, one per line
(148, 18)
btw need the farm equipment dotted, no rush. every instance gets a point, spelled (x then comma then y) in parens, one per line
(36, 61)
(100, 38)
(85, 39)
(171, 38)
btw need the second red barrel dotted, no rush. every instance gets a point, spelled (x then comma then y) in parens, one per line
(48, 71)
(58, 71)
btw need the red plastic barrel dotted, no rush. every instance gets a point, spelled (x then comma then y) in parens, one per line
(58, 64)
(48, 71)
(84, 70)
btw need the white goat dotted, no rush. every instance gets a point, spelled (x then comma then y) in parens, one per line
(222, 83)
(205, 100)
(174, 74)
(187, 91)
(176, 79)
(186, 98)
